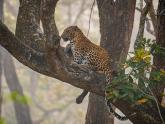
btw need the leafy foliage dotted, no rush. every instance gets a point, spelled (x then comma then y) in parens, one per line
(135, 78)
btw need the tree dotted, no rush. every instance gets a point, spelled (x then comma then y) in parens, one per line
(42, 53)
(22, 110)
(159, 63)
(117, 44)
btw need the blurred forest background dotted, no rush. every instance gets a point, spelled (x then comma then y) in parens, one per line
(50, 101)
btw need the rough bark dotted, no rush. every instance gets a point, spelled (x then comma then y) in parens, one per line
(38, 62)
(41, 51)
(114, 17)
(97, 112)
(22, 111)
(43, 62)
(116, 22)
(159, 62)
(160, 37)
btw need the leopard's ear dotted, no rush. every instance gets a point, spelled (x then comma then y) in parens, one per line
(75, 28)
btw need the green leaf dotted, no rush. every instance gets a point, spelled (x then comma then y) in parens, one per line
(16, 97)
(156, 75)
(137, 68)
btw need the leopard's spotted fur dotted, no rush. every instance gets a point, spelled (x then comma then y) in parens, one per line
(87, 53)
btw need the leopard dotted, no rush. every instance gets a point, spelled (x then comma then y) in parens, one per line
(91, 55)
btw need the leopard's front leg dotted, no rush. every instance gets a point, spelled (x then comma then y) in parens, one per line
(77, 61)
(81, 97)
(68, 51)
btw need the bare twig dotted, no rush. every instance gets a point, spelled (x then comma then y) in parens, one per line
(90, 17)
(157, 104)
(155, 99)
(140, 34)
(153, 17)
(161, 117)
(152, 14)
(143, 17)
(148, 27)
(161, 13)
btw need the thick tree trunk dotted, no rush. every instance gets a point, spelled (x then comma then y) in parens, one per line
(116, 19)
(97, 112)
(159, 63)
(160, 37)
(22, 111)
(116, 23)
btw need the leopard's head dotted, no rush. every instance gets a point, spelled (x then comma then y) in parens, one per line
(70, 33)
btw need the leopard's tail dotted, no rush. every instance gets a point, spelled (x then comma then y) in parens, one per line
(122, 118)
(108, 79)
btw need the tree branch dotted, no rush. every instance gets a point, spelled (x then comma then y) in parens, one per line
(44, 54)
(28, 25)
(153, 17)
(38, 62)
(22, 52)
(158, 60)
(140, 34)
(148, 27)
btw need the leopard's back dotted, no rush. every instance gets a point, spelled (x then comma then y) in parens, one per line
(84, 50)
(95, 56)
